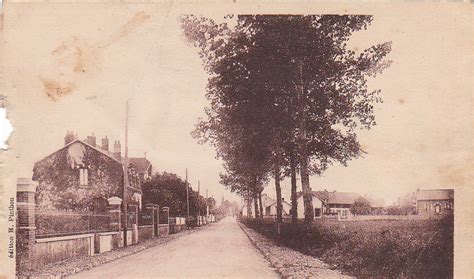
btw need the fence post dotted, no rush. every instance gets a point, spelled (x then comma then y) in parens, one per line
(114, 212)
(25, 233)
(166, 210)
(152, 209)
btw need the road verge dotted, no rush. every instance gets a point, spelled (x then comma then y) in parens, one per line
(287, 262)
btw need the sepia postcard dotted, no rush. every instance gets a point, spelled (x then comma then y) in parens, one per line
(237, 139)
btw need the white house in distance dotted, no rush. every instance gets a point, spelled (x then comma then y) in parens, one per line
(266, 202)
(333, 203)
(269, 207)
(271, 210)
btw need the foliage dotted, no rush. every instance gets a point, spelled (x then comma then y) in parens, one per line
(401, 210)
(59, 187)
(66, 223)
(275, 77)
(225, 209)
(361, 207)
(167, 189)
(373, 249)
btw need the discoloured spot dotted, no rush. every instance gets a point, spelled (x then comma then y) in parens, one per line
(77, 59)
(78, 56)
(137, 20)
(401, 101)
(55, 90)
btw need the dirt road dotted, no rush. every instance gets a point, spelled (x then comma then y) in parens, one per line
(219, 250)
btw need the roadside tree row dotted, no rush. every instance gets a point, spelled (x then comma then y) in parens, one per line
(287, 96)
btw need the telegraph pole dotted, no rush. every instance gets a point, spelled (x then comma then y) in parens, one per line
(199, 208)
(125, 178)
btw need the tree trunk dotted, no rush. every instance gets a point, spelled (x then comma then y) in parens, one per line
(302, 142)
(294, 202)
(249, 206)
(260, 203)
(256, 206)
(279, 206)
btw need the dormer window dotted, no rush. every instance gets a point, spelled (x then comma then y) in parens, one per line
(83, 176)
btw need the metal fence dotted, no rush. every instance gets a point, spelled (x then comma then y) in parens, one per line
(59, 223)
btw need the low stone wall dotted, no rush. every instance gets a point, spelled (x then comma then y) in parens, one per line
(177, 228)
(106, 241)
(129, 237)
(163, 229)
(54, 249)
(145, 232)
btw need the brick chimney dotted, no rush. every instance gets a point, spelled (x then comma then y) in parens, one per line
(117, 150)
(69, 137)
(105, 144)
(91, 140)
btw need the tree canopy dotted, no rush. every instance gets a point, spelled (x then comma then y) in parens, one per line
(285, 89)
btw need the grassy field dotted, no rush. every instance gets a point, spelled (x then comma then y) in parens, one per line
(373, 249)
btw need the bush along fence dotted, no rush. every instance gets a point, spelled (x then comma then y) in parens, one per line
(46, 237)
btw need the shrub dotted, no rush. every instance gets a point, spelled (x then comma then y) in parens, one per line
(373, 249)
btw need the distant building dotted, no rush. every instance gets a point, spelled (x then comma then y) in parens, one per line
(143, 167)
(271, 210)
(334, 203)
(435, 202)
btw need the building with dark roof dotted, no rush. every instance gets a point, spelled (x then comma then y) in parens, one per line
(143, 167)
(435, 201)
(334, 203)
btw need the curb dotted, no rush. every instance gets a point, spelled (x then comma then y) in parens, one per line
(254, 243)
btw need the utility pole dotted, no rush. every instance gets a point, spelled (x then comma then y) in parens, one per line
(187, 194)
(125, 178)
(199, 208)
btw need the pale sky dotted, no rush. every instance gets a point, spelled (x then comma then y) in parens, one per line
(108, 53)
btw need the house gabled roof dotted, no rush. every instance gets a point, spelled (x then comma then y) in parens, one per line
(282, 202)
(110, 155)
(435, 194)
(335, 197)
(342, 197)
(141, 165)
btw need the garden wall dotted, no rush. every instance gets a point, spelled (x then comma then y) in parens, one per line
(163, 229)
(177, 228)
(145, 232)
(54, 249)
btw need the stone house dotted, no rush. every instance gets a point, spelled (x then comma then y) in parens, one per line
(81, 176)
(435, 201)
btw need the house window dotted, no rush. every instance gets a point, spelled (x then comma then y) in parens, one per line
(83, 177)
